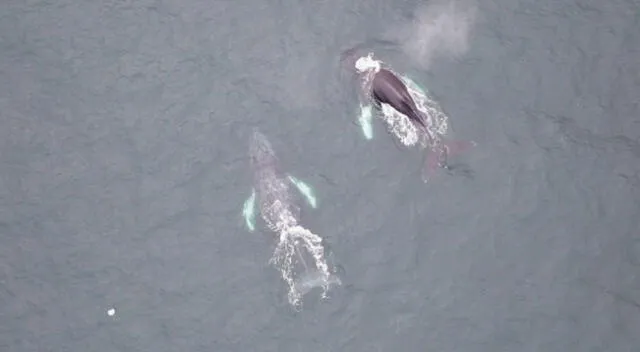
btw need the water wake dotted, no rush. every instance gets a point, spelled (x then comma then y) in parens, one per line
(289, 259)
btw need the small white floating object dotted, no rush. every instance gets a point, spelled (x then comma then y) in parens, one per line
(111, 312)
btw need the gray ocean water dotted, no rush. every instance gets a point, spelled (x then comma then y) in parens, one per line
(124, 130)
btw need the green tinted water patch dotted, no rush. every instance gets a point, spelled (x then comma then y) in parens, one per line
(305, 189)
(415, 86)
(248, 211)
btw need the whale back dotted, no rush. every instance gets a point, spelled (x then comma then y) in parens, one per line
(274, 199)
(389, 89)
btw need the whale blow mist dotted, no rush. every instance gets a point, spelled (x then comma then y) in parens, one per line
(439, 29)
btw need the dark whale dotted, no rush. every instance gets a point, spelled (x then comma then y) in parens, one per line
(389, 89)
(383, 86)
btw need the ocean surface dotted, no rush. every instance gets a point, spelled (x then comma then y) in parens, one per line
(124, 134)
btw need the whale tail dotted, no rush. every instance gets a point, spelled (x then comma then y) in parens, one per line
(439, 153)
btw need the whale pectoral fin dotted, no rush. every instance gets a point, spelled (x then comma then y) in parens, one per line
(364, 119)
(305, 190)
(248, 211)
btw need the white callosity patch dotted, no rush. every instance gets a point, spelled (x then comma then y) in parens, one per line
(367, 63)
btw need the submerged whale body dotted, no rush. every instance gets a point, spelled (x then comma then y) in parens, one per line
(271, 199)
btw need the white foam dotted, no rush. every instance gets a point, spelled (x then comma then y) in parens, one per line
(367, 63)
(295, 243)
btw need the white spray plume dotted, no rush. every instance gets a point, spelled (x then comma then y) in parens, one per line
(438, 29)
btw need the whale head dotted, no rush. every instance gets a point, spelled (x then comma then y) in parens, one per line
(260, 151)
